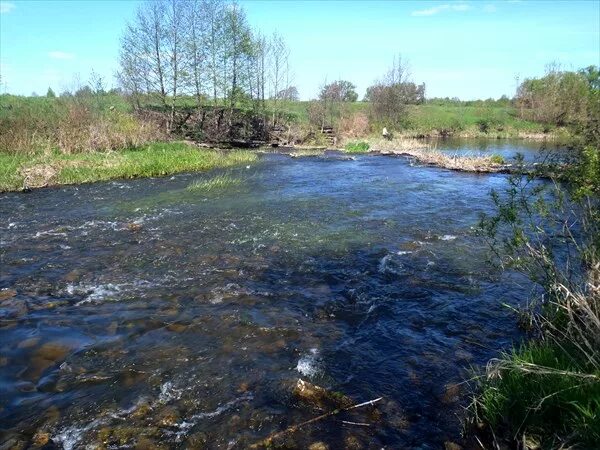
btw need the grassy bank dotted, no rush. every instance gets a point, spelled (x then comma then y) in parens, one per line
(545, 393)
(54, 168)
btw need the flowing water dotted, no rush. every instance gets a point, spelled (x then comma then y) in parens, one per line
(135, 312)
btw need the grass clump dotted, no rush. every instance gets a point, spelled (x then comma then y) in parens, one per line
(357, 147)
(541, 393)
(216, 183)
(497, 159)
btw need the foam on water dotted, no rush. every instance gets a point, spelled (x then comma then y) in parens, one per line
(447, 237)
(308, 365)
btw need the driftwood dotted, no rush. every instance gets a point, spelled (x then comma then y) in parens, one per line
(269, 440)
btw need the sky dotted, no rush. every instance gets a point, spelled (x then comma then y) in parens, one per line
(465, 49)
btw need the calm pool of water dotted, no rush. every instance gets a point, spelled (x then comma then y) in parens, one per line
(146, 313)
(532, 151)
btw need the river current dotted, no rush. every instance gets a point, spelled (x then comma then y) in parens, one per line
(140, 313)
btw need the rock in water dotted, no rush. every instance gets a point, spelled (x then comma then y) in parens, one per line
(319, 397)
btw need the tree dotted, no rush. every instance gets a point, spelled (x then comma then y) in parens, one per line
(50, 93)
(201, 48)
(289, 94)
(278, 73)
(339, 91)
(558, 98)
(389, 96)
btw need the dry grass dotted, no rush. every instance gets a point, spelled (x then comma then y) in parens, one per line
(423, 153)
(70, 126)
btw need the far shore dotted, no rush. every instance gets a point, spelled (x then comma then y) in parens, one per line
(26, 172)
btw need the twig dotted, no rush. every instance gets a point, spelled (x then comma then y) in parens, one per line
(360, 424)
(265, 442)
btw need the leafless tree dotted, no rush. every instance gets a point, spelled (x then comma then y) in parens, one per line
(278, 71)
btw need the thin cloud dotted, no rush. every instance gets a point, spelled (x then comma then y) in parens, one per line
(440, 8)
(490, 8)
(6, 7)
(60, 55)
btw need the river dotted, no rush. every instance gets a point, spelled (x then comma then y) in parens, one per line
(139, 312)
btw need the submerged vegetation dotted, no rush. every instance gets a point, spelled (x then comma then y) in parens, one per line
(215, 183)
(357, 147)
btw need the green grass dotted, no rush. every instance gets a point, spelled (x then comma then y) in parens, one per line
(153, 160)
(542, 392)
(497, 159)
(468, 120)
(216, 183)
(357, 147)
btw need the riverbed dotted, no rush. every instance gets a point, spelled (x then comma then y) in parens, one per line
(140, 312)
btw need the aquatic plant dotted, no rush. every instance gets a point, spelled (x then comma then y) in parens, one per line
(357, 147)
(218, 182)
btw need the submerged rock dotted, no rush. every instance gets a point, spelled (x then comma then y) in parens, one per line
(450, 394)
(319, 397)
(5, 294)
(134, 226)
(448, 445)
(318, 446)
(40, 439)
(44, 357)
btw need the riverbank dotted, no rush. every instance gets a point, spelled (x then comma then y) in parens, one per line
(22, 171)
(19, 171)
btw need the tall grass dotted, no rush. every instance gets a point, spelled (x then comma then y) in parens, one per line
(548, 390)
(71, 125)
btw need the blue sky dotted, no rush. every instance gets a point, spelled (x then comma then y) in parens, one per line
(467, 49)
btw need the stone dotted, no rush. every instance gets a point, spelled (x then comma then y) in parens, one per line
(40, 438)
(28, 343)
(318, 446)
(319, 397)
(134, 226)
(168, 417)
(351, 442)
(176, 327)
(5, 294)
(451, 393)
(44, 357)
(73, 275)
(449, 445)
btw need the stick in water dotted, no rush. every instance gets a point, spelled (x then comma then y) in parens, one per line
(265, 442)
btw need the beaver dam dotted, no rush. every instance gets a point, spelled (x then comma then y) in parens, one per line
(223, 309)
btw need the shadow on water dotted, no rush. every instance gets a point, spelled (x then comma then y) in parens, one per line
(140, 312)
